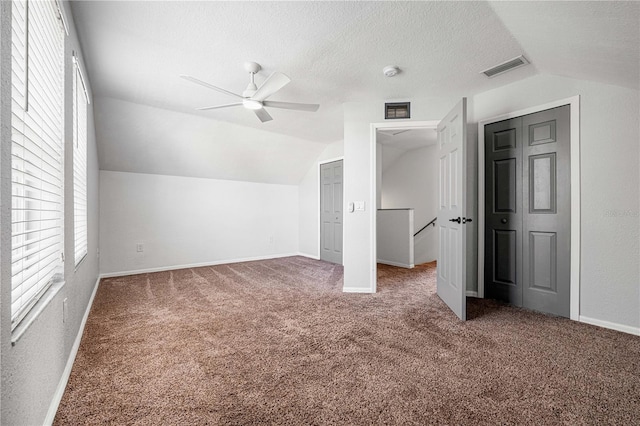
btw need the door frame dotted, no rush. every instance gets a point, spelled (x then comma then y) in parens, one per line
(320, 163)
(373, 166)
(574, 104)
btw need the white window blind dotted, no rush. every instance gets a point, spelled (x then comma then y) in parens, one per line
(80, 102)
(36, 152)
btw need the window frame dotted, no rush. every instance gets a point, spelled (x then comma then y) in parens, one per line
(80, 169)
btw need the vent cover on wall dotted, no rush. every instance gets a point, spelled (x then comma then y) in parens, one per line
(397, 110)
(506, 66)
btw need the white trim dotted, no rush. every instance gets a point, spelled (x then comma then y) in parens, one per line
(62, 384)
(194, 265)
(373, 209)
(63, 16)
(331, 160)
(320, 163)
(77, 64)
(398, 264)
(611, 325)
(472, 293)
(373, 179)
(310, 256)
(356, 290)
(574, 103)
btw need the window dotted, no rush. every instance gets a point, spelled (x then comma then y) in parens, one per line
(36, 152)
(80, 101)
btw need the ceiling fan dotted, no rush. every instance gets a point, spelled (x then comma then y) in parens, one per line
(255, 98)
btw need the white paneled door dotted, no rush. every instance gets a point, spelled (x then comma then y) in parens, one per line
(452, 135)
(331, 212)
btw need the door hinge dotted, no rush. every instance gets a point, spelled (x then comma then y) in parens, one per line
(62, 257)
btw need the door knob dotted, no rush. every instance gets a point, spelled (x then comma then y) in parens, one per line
(503, 220)
(466, 219)
(455, 220)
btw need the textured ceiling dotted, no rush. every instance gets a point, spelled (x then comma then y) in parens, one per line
(334, 52)
(598, 41)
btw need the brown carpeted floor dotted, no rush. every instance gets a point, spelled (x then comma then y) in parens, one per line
(277, 342)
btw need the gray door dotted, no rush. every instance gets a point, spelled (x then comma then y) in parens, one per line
(331, 212)
(528, 211)
(503, 211)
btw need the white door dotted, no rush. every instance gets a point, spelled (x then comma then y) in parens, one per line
(452, 140)
(331, 212)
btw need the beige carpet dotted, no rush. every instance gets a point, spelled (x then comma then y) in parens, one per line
(277, 342)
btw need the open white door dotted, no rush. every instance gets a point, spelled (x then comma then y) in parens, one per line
(452, 141)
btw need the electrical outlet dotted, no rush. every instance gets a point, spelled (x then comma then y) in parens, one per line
(139, 247)
(64, 310)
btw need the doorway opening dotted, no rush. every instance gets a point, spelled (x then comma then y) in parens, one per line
(407, 196)
(397, 149)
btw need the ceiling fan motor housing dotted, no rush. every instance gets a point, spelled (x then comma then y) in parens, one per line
(252, 67)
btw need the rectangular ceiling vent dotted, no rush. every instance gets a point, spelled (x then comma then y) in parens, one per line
(509, 65)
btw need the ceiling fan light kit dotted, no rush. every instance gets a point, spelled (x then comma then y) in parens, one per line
(254, 97)
(251, 104)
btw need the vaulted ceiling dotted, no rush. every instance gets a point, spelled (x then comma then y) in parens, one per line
(334, 52)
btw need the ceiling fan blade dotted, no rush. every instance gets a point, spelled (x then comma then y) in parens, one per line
(210, 86)
(271, 85)
(292, 105)
(219, 106)
(263, 115)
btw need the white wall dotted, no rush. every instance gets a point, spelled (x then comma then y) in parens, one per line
(33, 368)
(144, 139)
(610, 178)
(412, 182)
(309, 207)
(359, 245)
(187, 221)
(395, 237)
(610, 182)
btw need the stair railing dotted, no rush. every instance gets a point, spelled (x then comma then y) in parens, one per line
(433, 222)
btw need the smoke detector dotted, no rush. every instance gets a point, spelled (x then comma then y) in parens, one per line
(390, 70)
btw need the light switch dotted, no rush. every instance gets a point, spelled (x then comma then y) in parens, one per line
(359, 206)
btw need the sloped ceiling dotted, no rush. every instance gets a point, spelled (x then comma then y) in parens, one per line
(334, 52)
(396, 143)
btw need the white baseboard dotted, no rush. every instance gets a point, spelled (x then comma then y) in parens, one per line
(62, 384)
(356, 290)
(472, 293)
(194, 265)
(398, 264)
(310, 256)
(611, 325)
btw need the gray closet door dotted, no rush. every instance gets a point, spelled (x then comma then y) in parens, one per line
(528, 211)
(503, 211)
(331, 212)
(547, 205)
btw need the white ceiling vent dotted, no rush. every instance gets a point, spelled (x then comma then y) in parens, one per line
(506, 66)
